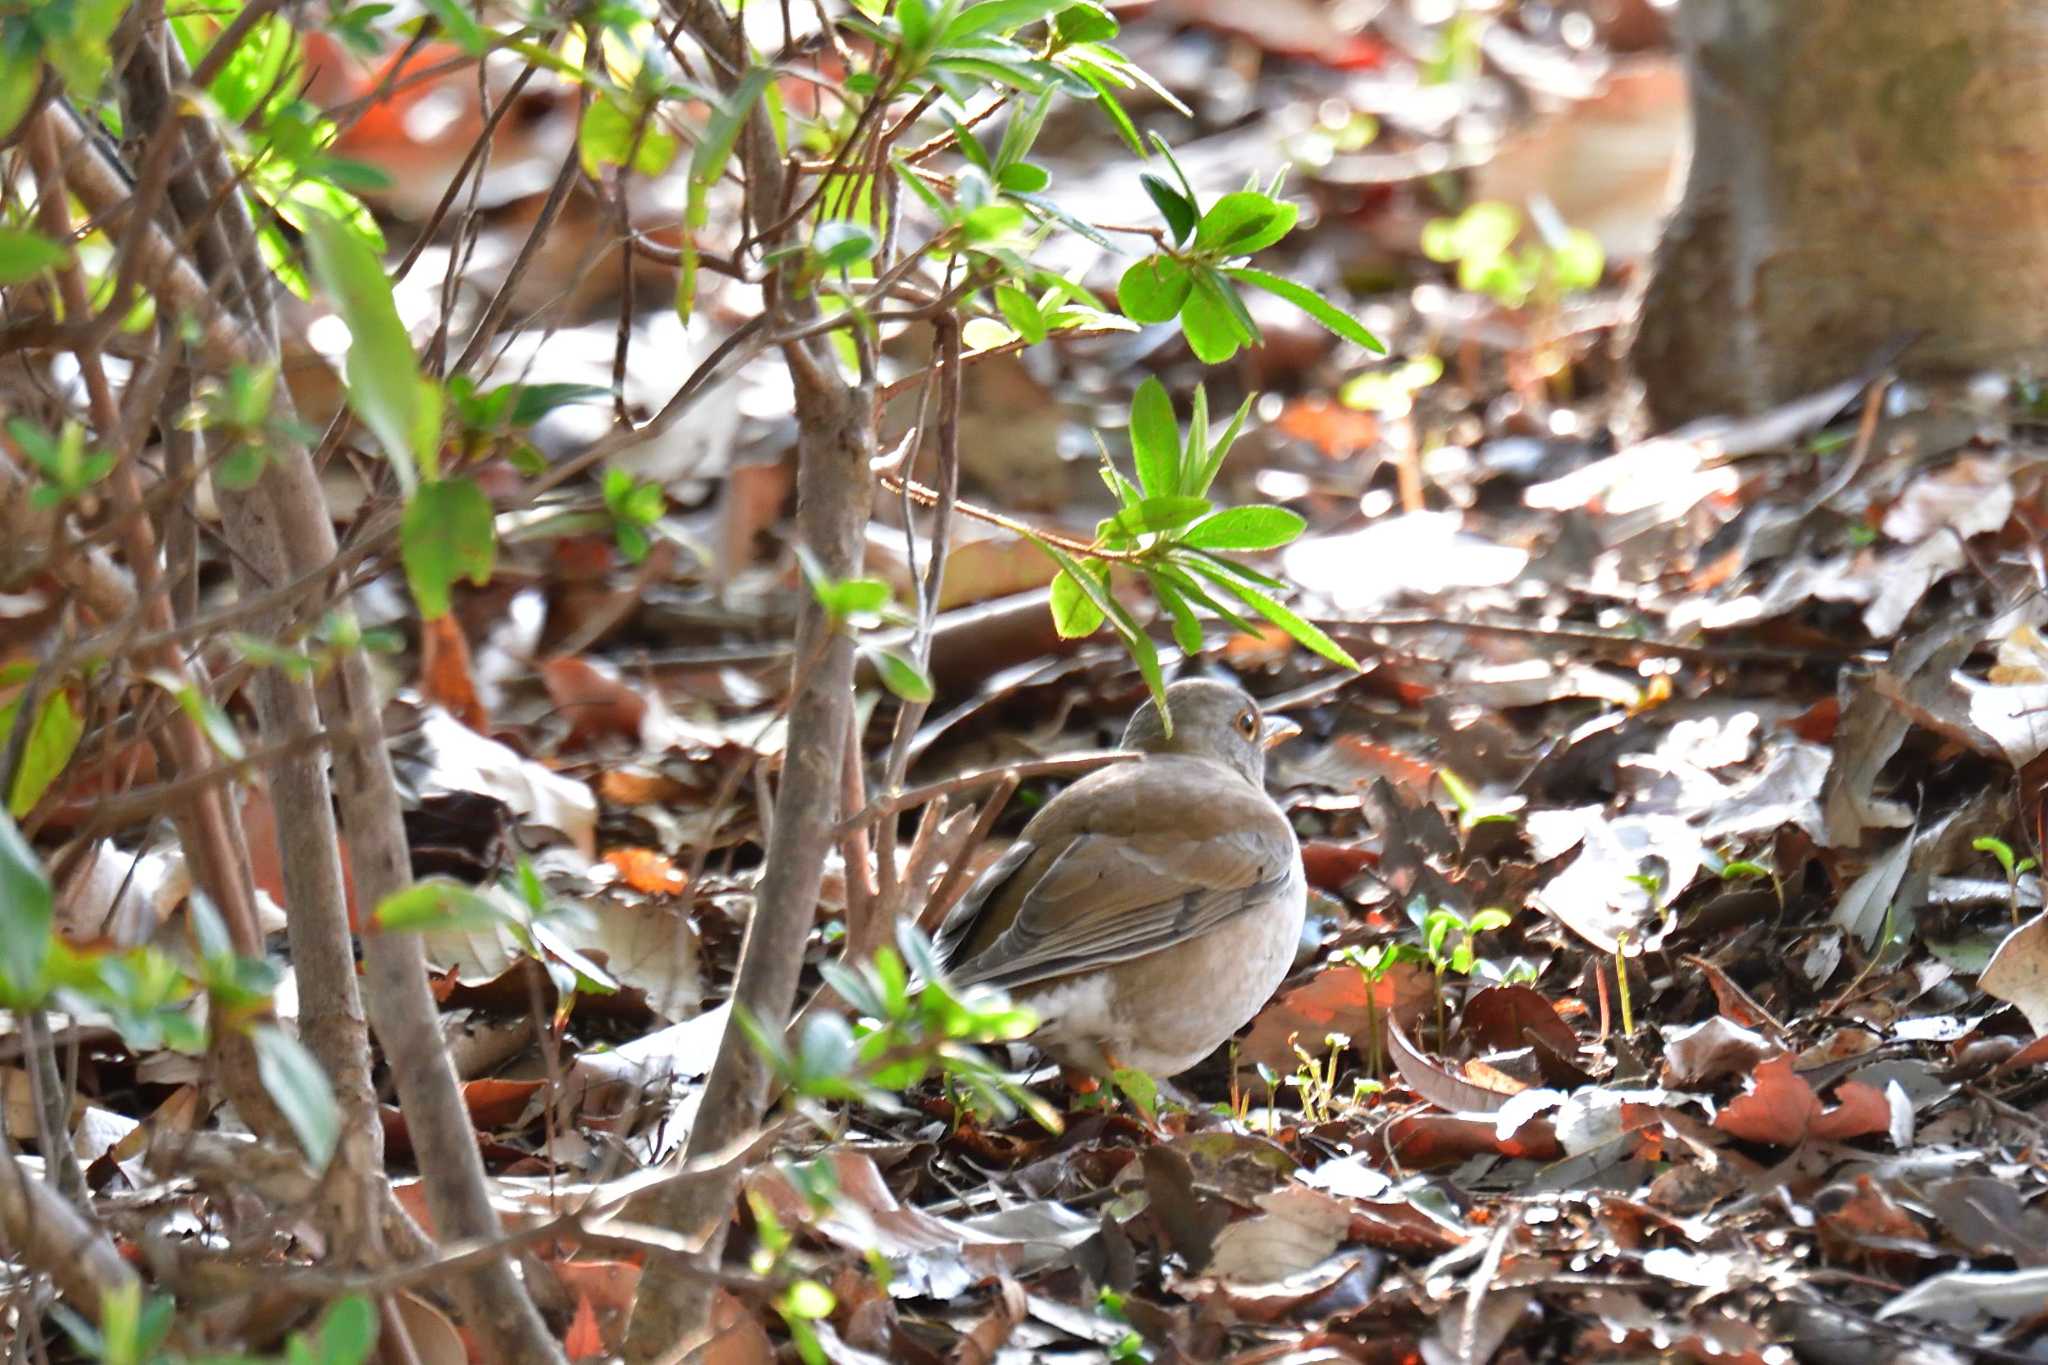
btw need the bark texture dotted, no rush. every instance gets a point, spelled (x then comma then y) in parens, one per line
(1860, 169)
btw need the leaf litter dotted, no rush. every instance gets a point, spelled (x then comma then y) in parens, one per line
(1729, 725)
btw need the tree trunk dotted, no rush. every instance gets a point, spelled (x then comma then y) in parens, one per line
(1861, 169)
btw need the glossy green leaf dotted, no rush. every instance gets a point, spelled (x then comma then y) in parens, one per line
(208, 714)
(382, 372)
(1176, 208)
(1085, 22)
(297, 1083)
(1199, 596)
(1304, 632)
(1019, 135)
(1242, 223)
(1105, 95)
(1219, 449)
(1022, 312)
(27, 911)
(839, 244)
(535, 401)
(1207, 323)
(901, 675)
(25, 255)
(1194, 447)
(18, 87)
(914, 20)
(52, 739)
(999, 16)
(991, 222)
(1154, 515)
(1187, 631)
(1245, 528)
(1022, 177)
(348, 1330)
(614, 135)
(1155, 440)
(1074, 612)
(1311, 303)
(1154, 289)
(437, 904)
(448, 534)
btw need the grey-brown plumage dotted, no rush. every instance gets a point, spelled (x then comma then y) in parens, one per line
(1151, 908)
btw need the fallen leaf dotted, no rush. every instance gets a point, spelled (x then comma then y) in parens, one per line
(445, 675)
(2018, 972)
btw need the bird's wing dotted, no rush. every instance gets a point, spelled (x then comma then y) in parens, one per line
(1108, 896)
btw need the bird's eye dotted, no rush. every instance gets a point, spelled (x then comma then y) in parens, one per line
(1248, 724)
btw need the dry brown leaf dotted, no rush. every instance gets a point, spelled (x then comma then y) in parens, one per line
(445, 674)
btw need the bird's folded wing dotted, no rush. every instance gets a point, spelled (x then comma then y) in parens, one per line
(1109, 898)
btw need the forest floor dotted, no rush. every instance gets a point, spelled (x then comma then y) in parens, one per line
(1739, 729)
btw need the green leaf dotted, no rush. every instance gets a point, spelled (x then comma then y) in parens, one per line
(914, 18)
(1194, 593)
(1018, 136)
(1176, 208)
(438, 904)
(1311, 303)
(1305, 632)
(1155, 440)
(845, 597)
(1022, 177)
(1187, 631)
(1100, 82)
(27, 912)
(1074, 612)
(535, 401)
(1212, 463)
(294, 1079)
(347, 1332)
(204, 711)
(1208, 323)
(448, 533)
(901, 675)
(1140, 1089)
(613, 135)
(459, 26)
(382, 372)
(721, 132)
(1242, 223)
(991, 222)
(1022, 312)
(1153, 515)
(1194, 447)
(1154, 289)
(19, 85)
(999, 16)
(1259, 527)
(25, 255)
(1146, 654)
(1084, 22)
(839, 244)
(52, 739)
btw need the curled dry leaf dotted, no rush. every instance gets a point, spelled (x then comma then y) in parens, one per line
(595, 701)
(1705, 1052)
(2018, 972)
(1441, 1088)
(446, 678)
(1780, 1108)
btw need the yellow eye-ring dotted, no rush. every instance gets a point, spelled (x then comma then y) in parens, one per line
(1248, 724)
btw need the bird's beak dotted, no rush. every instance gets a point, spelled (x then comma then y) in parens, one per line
(1276, 730)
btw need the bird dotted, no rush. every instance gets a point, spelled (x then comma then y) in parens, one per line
(1148, 911)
